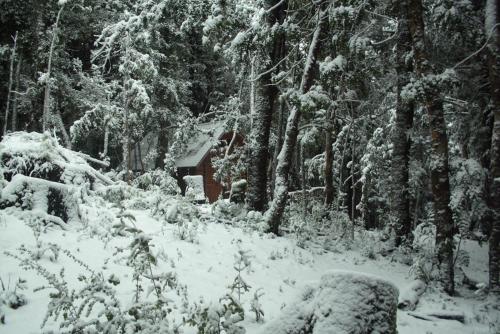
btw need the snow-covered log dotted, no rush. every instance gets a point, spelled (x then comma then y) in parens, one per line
(409, 297)
(96, 161)
(432, 316)
(43, 176)
(342, 303)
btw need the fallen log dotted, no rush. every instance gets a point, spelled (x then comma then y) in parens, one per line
(432, 316)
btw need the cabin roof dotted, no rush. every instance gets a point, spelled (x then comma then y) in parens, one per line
(200, 145)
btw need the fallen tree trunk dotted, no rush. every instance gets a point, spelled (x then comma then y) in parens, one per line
(432, 316)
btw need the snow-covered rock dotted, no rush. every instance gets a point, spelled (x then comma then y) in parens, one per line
(342, 303)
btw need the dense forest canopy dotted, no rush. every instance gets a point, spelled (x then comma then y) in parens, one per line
(372, 114)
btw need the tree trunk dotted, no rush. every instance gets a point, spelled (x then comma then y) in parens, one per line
(353, 194)
(46, 95)
(265, 101)
(401, 133)
(439, 151)
(275, 212)
(60, 124)
(328, 172)
(9, 91)
(126, 133)
(16, 98)
(492, 21)
(279, 143)
(106, 141)
(162, 146)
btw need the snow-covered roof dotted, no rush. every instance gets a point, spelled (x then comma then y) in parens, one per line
(200, 145)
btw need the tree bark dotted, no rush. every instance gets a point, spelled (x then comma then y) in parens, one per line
(328, 172)
(492, 21)
(279, 144)
(275, 212)
(265, 101)
(162, 146)
(9, 92)
(401, 133)
(46, 96)
(439, 150)
(16, 98)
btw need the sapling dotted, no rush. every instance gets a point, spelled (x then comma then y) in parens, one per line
(255, 305)
(242, 262)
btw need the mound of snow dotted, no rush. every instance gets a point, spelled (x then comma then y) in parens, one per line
(342, 303)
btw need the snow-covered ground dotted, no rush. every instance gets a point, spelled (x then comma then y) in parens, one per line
(278, 266)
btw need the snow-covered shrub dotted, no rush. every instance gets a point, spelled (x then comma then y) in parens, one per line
(157, 180)
(256, 307)
(182, 214)
(305, 220)
(238, 190)
(424, 266)
(253, 221)
(117, 192)
(218, 318)
(93, 307)
(342, 303)
(227, 212)
(467, 200)
(368, 243)
(311, 223)
(125, 223)
(10, 296)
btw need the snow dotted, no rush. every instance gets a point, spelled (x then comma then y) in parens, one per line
(330, 65)
(279, 268)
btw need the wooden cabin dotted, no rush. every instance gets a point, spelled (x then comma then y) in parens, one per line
(197, 158)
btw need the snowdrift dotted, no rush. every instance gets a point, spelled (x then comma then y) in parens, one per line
(44, 177)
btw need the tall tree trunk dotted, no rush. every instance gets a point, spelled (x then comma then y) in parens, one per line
(46, 95)
(279, 143)
(60, 124)
(106, 141)
(127, 145)
(353, 194)
(401, 133)
(9, 91)
(162, 145)
(439, 150)
(15, 99)
(275, 212)
(328, 172)
(265, 102)
(492, 22)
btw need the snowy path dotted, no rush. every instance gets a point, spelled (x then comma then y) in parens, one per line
(279, 267)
